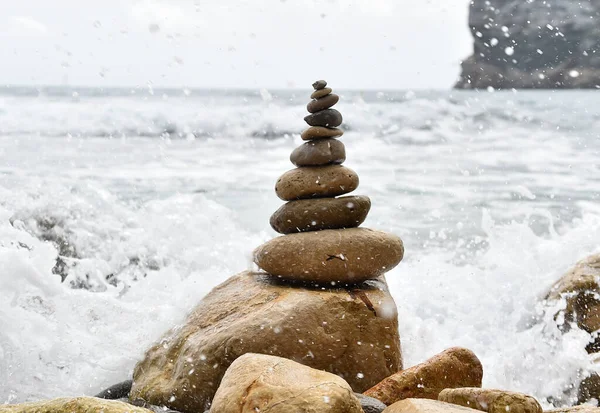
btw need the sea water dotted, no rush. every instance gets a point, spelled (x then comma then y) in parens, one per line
(121, 208)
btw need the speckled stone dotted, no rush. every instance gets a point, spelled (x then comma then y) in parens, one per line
(321, 213)
(319, 132)
(316, 182)
(329, 118)
(317, 94)
(319, 152)
(323, 103)
(349, 255)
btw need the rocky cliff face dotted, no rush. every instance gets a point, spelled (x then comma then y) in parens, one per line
(533, 44)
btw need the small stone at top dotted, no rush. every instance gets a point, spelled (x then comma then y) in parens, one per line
(319, 84)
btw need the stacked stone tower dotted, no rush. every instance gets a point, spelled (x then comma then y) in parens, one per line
(310, 303)
(322, 241)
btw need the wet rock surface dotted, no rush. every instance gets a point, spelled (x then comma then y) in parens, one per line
(316, 182)
(116, 391)
(329, 118)
(579, 286)
(350, 332)
(323, 103)
(370, 404)
(426, 406)
(321, 213)
(319, 132)
(319, 93)
(331, 256)
(533, 44)
(261, 383)
(73, 405)
(319, 152)
(455, 367)
(491, 400)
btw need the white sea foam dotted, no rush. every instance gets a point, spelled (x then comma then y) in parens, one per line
(492, 200)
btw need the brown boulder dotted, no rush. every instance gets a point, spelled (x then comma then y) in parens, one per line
(580, 288)
(73, 405)
(323, 103)
(320, 93)
(331, 256)
(319, 132)
(260, 383)
(455, 367)
(316, 182)
(321, 213)
(426, 406)
(351, 333)
(490, 400)
(319, 152)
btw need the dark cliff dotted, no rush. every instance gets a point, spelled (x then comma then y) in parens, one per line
(533, 44)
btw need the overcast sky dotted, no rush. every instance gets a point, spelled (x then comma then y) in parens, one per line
(233, 43)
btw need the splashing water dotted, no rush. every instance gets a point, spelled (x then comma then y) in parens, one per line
(118, 212)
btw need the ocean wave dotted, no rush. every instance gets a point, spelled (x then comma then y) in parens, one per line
(226, 114)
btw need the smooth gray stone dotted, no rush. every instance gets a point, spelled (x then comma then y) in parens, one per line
(319, 84)
(370, 404)
(116, 391)
(329, 118)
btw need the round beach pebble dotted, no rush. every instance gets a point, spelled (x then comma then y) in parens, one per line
(319, 84)
(331, 256)
(320, 93)
(323, 103)
(316, 182)
(328, 118)
(319, 152)
(321, 213)
(318, 132)
(491, 400)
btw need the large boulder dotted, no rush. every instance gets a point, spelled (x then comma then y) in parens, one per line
(533, 44)
(426, 406)
(579, 286)
(260, 383)
(74, 405)
(455, 367)
(491, 400)
(351, 333)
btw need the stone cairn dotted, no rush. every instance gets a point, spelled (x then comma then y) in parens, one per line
(322, 241)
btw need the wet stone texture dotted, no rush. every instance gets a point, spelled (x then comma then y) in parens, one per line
(556, 47)
(352, 333)
(491, 400)
(261, 383)
(455, 367)
(348, 255)
(316, 182)
(319, 152)
(322, 213)
(74, 405)
(426, 406)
